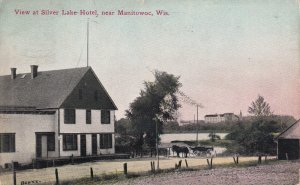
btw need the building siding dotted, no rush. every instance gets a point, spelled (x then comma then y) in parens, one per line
(80, 127)
(289, 147)
(25, 127)
(87, 87)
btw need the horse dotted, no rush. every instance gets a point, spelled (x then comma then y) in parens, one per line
(201, 149)
(180, 149)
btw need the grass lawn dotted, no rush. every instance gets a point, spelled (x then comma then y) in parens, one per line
(221, 162)
(112, 168)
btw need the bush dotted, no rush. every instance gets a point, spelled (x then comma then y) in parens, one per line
(255, 136)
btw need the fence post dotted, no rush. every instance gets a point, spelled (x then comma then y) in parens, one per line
(92, 173)
(266, 156)
(179, 164)
(14, 173)
(186, 163)
(207, 160)
(152, 166)
(56, 176)
(259, 159)
(125, 168)
(15, 178)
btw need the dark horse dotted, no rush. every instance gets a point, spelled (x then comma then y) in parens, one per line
(180, 149)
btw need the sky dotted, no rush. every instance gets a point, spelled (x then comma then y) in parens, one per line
(225, 52)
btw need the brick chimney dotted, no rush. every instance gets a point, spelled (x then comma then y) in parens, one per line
(34, 71)
(13, 73)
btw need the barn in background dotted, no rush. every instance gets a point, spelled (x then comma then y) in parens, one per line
(288, 143)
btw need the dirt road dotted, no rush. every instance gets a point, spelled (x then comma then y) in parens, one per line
(286, 173)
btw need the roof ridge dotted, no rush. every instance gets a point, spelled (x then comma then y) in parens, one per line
(287, 128)
(88, 67)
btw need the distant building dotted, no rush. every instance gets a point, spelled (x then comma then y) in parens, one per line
(218, 118)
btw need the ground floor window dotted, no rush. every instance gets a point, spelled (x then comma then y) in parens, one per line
(105, 141)
(70, 142)
(7, 143)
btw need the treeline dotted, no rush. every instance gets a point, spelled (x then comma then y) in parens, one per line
(173, 127)
(124, 127)
(249, 136)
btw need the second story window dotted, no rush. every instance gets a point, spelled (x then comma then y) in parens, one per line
(80, 94)
(69, 116)
(88, 117)
(105, 116)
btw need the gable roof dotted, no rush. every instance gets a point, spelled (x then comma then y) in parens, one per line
(292, 132)
(47, 90)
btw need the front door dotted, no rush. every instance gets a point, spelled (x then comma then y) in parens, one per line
(82, 145)
(41, 146)
(94, 144)
(44, 146)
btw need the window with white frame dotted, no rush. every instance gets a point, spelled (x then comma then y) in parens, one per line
(105, 141)
(69, 116)
(88, 116)
(105, 116)
(70, 142)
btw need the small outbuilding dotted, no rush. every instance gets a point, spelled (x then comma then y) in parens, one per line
(288, 143)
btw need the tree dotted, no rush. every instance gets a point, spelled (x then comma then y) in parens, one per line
(171, 127)
(256, 135)
(259, 107)
(156, 104)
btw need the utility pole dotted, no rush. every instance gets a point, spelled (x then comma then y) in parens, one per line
(156, 122)
(197, 127)
(87, 43)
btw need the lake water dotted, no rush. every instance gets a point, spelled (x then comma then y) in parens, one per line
(167, 138)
